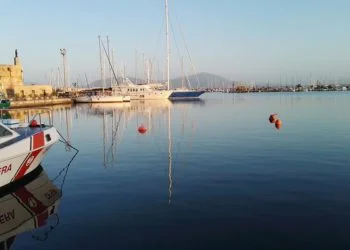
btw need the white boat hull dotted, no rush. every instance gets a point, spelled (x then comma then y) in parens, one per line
(142, 92)
(102, 99)
(83, 99)
(152, 95)
(22, 157)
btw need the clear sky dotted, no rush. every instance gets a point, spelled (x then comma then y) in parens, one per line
(247, 40)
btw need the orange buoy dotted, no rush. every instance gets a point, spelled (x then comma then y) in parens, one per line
(33, 123)
(273, 118)
(142, 129)
(278, 123)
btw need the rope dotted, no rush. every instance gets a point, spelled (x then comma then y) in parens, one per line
(64, 170)
(69, 163)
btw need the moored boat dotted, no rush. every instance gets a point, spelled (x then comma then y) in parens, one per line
(143, 92)
(23, 145)
(99, 98)
(185, 94)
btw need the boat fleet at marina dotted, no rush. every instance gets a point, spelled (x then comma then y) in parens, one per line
(25, 142)
(129, 91)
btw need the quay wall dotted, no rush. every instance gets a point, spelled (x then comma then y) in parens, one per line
(42, 102)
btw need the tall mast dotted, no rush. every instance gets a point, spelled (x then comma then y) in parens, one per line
(182, 71)
(87, 81)
(110, 70)
(167, 43)
(113, 66)
(101, 63)
(135, 65)
(148, 70)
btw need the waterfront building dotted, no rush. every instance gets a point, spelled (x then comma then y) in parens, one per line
(12, 83)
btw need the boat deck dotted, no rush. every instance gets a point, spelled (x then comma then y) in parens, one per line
(24, 132)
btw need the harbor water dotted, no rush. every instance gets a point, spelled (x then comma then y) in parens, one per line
(208, 174)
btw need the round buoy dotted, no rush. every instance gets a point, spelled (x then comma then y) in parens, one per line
(278, 123)
(142, 129)
(33, 123)
(272, 118)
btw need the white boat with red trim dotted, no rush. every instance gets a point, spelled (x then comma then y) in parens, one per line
(23, 145)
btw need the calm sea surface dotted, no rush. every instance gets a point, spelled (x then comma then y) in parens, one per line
(217, 176)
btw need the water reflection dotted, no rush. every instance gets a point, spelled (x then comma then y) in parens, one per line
(29, 205)
(157, 116)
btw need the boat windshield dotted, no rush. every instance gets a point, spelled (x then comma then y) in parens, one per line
(4, 132)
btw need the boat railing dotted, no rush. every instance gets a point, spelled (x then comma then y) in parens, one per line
(28, 115)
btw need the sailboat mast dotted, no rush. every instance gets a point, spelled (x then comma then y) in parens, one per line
(101, 68)
(183, 72)
(135, 66)
(110, 70)
(113, 67)
(167, 43)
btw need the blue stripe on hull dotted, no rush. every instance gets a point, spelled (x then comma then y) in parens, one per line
(186, 94)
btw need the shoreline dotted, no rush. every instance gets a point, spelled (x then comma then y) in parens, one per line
(35, 103)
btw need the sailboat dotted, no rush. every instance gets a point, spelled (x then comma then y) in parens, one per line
(104, 97)
(180, 93)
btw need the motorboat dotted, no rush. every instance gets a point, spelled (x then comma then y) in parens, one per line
(143, 91)
(24, 144)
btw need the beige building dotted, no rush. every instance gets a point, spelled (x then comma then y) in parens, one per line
(12, 85)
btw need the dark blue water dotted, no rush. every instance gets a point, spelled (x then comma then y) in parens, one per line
(218, 176)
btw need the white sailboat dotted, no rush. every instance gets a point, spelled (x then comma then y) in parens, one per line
(104, 96)
(148, 91)
(180, 93)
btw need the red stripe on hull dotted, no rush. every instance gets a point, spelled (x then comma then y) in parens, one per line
(26, 164)
(38, 140)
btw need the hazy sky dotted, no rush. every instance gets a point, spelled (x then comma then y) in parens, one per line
(238, 39)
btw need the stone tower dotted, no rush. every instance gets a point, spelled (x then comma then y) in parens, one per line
(11, 75)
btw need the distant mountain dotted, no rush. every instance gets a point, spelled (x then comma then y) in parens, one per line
(201, 80)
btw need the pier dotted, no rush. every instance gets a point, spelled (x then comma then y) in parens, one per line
(40, 102)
